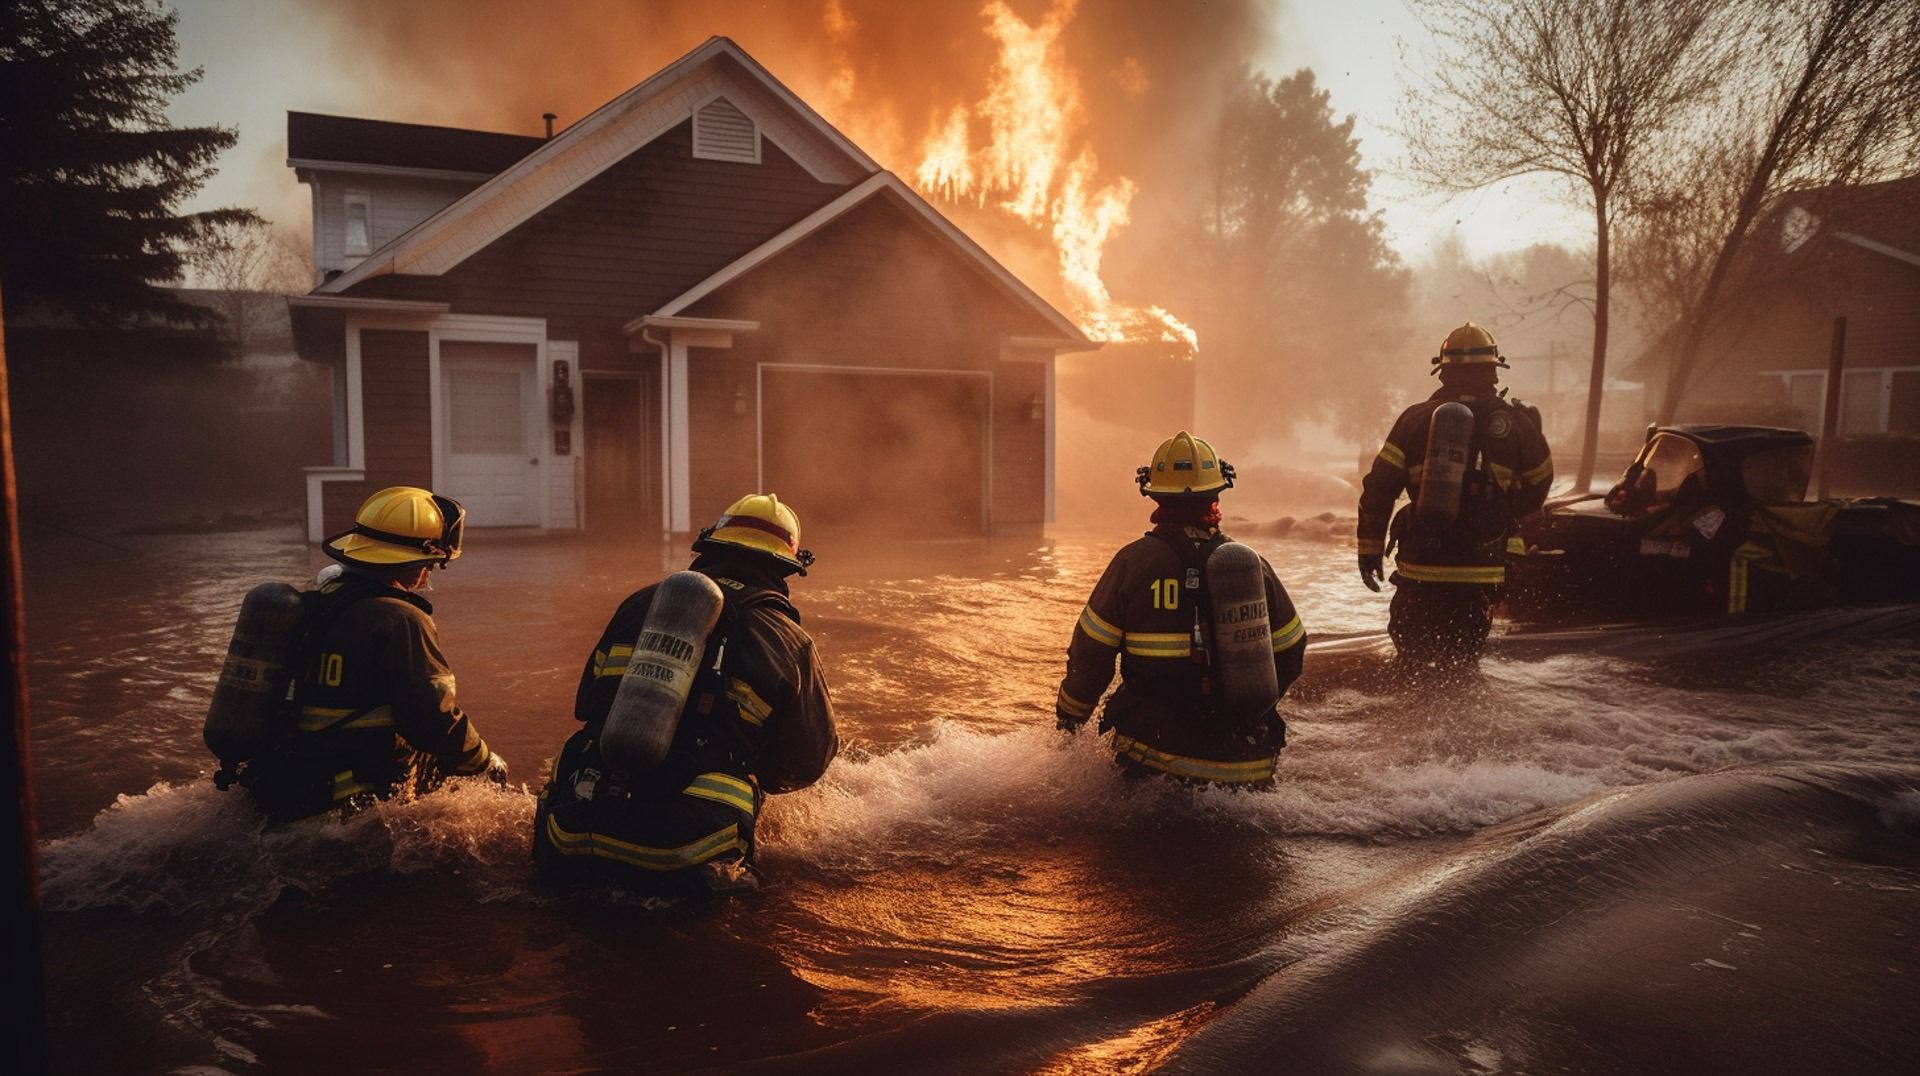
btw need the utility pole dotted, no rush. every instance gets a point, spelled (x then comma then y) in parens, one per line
(26, 982)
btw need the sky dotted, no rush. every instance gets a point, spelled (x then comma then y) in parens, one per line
(263, 58)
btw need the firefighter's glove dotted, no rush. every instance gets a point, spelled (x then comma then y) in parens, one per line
(1372, 570)
(496, 770)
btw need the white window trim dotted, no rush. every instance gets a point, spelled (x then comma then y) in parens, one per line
(348, 200)
(1884, 415)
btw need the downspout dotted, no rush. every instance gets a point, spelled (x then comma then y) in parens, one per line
(666, 439)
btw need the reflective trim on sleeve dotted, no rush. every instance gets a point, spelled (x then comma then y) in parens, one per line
(1517, 546)
(1259, 769)
(754, 710)
(1067, 704)
(691, 854)
(333, 718)
(1490, 574)
(1502, 475)
(1159, 644)
(1541, 473)
(1391, 455)
(1371, 546)
(722, 788)
(612, 662)
(1746, 554)
(1289, 634)
(1098, 629)
(1415, 473)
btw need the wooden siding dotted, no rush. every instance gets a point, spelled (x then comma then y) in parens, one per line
(397, 203)
(1788, 325)
(396, 403)
(872, 289)
(632, 238)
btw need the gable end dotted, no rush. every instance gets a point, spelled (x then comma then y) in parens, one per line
(722, 132)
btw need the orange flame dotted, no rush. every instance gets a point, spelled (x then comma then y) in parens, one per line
(1034, 116)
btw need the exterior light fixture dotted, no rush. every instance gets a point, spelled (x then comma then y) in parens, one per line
(740, 400)
(1036, 408)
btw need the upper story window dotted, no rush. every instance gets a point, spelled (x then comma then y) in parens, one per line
(722, 132)
(359, 235)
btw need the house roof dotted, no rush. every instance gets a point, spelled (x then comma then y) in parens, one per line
(1882, 217)
(887, 185)
(317, 140)
(558, 166)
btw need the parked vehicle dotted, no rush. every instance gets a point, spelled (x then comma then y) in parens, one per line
(1713, 520)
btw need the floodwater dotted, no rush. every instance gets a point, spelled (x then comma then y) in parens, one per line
(1703, 860)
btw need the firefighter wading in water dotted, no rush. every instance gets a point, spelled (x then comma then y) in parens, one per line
(753, 717)
(1151, 606)
(374, 707)
(1452, 538)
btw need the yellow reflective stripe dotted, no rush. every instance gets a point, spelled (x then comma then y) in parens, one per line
(1437, 573)
(345, 786)
(1067, 704)
(690, 854)
(1259, 769)
(1371, 545)
(754, 710)
(722, 788)
(1746, 554)
(1502, 475)
(1289, 634)
(323, 718)
(1539, 473)
(1416, 472)
(1159, 644)
(1390, 454)
(613, 662)
(1099, 630)
(1517, 546)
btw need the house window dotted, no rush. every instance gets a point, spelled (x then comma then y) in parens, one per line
(722, 132)
(359, 237)
(1874, 401)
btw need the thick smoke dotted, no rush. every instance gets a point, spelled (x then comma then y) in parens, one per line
(1139, 86)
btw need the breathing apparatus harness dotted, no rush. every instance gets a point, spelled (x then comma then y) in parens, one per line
(1193, 557)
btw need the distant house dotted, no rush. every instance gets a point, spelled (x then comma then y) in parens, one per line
(735, 296)
(1840, 252)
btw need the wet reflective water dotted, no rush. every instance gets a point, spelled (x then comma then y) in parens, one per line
(969, 889)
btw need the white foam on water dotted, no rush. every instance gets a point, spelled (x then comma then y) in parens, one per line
(191, 847)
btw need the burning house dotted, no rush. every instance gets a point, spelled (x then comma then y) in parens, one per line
(699, 289)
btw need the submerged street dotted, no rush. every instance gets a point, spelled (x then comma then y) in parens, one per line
(1515, 872)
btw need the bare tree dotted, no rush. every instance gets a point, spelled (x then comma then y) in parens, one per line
(250, 267)
(1585, 90)
(1827, 94)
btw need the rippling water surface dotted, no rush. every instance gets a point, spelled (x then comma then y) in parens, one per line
(1571, 861)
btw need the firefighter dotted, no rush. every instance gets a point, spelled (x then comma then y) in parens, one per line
(1151, 606)
(374, 706)
(1492, 467)
(757, 719)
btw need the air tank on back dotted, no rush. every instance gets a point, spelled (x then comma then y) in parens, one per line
(646, 707)
(1449, 441)
(1245, 683)
(246, 711)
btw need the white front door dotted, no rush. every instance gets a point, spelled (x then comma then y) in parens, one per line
(491, 439)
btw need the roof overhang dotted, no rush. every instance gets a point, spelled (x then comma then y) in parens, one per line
(886, 184)
(569, 159)
(1877, 247)
(355, 302)
(357, 168)
(1053, 343)
(723, 325)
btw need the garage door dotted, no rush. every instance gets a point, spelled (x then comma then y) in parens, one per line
(904, 453)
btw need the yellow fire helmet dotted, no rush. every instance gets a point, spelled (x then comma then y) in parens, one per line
(1184, 466)
(761, 523)
(1469, 345)
(401, 527)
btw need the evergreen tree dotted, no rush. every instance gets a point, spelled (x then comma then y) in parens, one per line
(91, 174)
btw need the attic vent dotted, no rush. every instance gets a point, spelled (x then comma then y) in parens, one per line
(722, 132)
